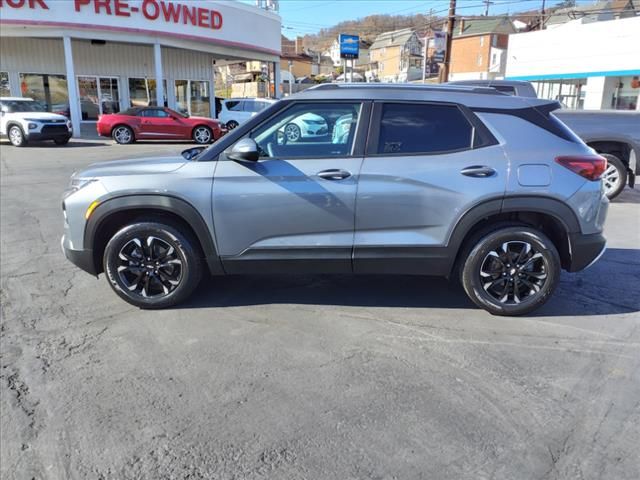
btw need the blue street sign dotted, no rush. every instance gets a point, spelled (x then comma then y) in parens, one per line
(349, 45)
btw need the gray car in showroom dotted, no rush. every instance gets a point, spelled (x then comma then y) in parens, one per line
(460, 182)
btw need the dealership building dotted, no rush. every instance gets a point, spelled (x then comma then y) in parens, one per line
(584, 64)
(84, 58)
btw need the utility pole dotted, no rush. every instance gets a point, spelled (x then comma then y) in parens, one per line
(425, 57)
(447, 53)
(486, 7)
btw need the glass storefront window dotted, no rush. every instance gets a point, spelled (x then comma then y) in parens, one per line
(627, 93)
(200, 103)
(192, 97)
(48, 90)
(5, 91)
(142, 92)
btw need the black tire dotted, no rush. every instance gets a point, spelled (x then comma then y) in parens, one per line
(292, 133)
(61, 141)
(231, 124)
(538, 271)
(147, 283)
(615, 179)
(123, 135)
(202, 135)
(16, 136)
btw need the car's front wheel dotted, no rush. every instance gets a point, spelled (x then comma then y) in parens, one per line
(231, 124)
(16, 136)
(511, 270)
(123, 135)
(202, 135)
(152, 264)
(614, 177)
(292, 132)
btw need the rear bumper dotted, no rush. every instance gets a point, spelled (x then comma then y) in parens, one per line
(585, 250)
(82, 259)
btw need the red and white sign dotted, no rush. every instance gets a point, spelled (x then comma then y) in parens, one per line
(225, 23)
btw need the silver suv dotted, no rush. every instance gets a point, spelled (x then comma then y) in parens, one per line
(447, 181)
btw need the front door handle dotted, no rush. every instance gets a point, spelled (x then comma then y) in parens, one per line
(334, 174)
(479, 171)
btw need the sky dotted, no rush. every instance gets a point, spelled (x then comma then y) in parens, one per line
(300, 17)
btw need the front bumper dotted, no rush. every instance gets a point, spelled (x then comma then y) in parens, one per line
(82, 259)
(37, 137)
(585, 250)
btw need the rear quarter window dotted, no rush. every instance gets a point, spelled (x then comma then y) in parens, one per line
(423, 128)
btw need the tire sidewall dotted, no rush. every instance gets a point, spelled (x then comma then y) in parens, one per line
(191, 263)
(471, 270)
(115, 139)
(193, 135)
(23, 140)
(622, 172)
(297, 128)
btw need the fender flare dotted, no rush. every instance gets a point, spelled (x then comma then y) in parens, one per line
(167, 203)
(526, 203)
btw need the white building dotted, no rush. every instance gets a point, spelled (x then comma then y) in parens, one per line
(87, 57)
(584, 65)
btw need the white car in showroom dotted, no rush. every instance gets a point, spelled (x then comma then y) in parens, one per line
(236, 111)
(24, 120)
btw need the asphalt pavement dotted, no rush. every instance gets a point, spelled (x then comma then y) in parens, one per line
(304, 377)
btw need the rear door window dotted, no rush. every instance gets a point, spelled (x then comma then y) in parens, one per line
(423, 128)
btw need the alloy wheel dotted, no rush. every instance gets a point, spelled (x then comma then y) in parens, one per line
(202, 135)
(149, 267)
(292, 132)
(122, 135)
(15, 135)
(611, 179)
(513, 272)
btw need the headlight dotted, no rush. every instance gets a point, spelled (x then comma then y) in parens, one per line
(76, 184)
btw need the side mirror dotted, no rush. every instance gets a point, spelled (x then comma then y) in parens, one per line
(244, 150)
(190, 153)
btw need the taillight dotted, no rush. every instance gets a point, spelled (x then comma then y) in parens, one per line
(590, 167)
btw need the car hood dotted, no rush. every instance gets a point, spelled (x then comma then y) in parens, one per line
(42, 116)
(138, 166)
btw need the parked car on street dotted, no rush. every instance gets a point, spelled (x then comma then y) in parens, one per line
(236, 111)
(158, 123)
(427, 180)
(615, 134)
(24, 120)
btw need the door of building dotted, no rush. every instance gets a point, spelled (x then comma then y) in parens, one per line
(98, 95)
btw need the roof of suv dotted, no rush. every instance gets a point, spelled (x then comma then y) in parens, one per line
(471, 96)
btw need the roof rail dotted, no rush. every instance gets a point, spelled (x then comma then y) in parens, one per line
(406, 86)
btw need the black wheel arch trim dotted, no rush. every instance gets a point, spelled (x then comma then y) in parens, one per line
(527, 203)
(167, 203)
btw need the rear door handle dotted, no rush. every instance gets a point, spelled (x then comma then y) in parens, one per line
(479, 171)
(334, 174)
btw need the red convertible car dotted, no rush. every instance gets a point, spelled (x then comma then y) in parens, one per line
(158, 123)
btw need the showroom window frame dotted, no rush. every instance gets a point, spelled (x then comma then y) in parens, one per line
(98, 78)
(175, 97)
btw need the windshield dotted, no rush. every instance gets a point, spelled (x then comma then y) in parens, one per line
(15, 106)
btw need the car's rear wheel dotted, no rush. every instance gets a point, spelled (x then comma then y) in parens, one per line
(16, 136)
(511, 270)
(152, 265)
(231, 124)
(292, 132)
(123, 135)
(614, 177)
(202, 135)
